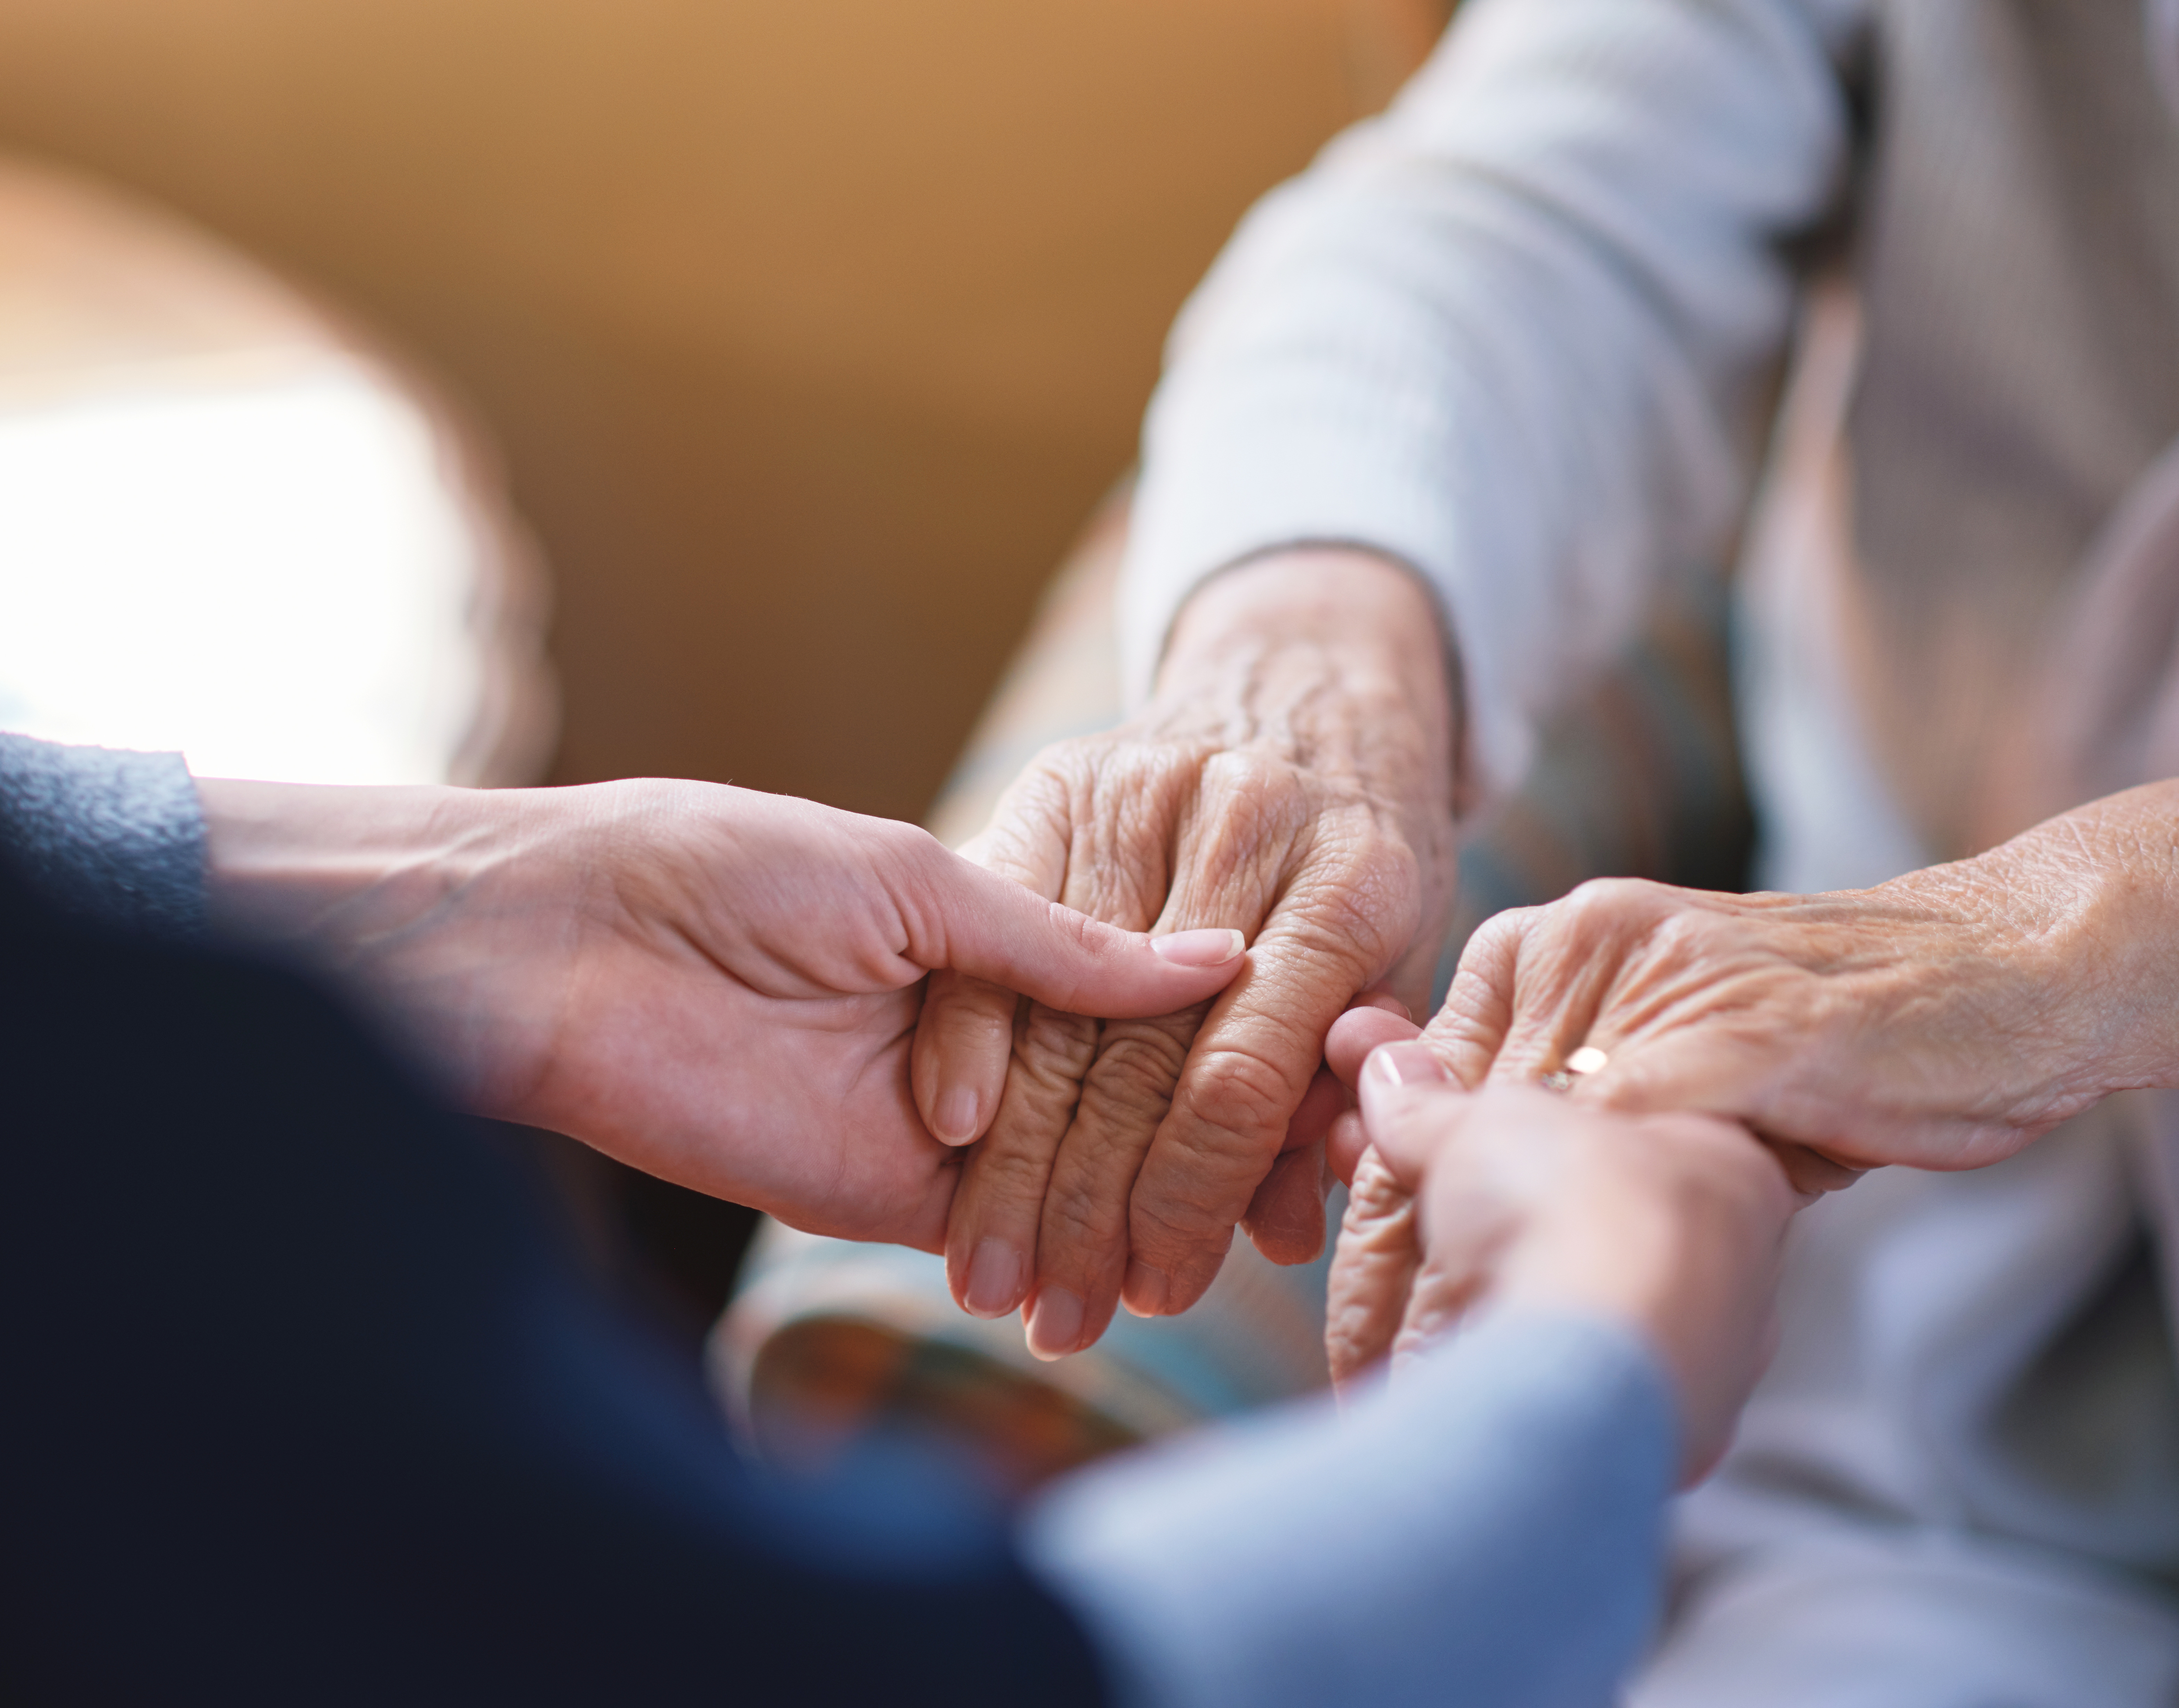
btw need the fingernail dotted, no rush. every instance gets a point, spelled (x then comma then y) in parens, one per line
(997, 1277)
(1205, 949)
(1055, 1324)
(954, 1118)
(1410, 1063)
(1143, 1292)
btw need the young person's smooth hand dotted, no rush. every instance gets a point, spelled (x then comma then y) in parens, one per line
(1671, 1225)
(718, 986)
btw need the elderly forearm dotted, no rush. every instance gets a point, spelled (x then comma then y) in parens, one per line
(1508, 331)
(2086, 904)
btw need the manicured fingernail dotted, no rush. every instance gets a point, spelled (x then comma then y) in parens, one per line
(1055, 1324)
(954, 1118)
(1206, 948)
(1143, 1292)
(1410, 1063)
(997, 1277)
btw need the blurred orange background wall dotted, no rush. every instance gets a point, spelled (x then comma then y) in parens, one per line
(811, 329)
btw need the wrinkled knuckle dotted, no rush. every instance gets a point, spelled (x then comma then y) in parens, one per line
(1076, 1213)
(1241, 818)
(1388, 867)
(1684, 937)
(1235, 1096)
(1009, 1170)
(1134, 1075)
(1603, 903)
(1364, 917)
(1056, 1048)
(1138, 782)
(1248, 774)
(1182, 1215)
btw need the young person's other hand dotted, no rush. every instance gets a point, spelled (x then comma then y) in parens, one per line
(1670, 1224)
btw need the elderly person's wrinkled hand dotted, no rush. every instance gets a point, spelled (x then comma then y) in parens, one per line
(717, 986)
(1671, 1224)
(1941, 1021)
(1293, 780)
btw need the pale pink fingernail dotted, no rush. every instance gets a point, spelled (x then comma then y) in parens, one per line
(954, 1120)
(997, 1277)
(1055, 1324)
(1205, 949)
(1410, 1064)
(1146, 1289)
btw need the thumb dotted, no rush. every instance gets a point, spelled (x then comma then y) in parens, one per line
(1358, 1031)
(992, 928)
(1411, 1104)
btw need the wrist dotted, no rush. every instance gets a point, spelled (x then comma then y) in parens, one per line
(2096, 893)
(306, 864)
(2063, 944)
(1337, 655)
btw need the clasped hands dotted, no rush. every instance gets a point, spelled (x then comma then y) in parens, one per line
(774, 1002)
(1291, 779)
(781, 1004)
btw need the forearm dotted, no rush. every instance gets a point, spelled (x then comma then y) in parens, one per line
(1509, 333)
(324, 869)
(2082, 911)
(457, 915)
(1490, 1527)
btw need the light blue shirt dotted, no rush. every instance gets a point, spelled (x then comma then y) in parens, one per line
(1488, 1531)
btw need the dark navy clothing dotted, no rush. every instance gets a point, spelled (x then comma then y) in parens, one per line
(303, 1404)
(97, 836)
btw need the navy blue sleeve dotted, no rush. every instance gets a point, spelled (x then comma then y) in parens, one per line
(304, 1405)
(99, 838)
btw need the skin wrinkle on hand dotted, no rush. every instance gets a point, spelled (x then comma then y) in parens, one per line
(1296, 762)
(1942, 1020)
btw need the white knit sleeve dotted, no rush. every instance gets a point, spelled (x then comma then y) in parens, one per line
(1508, 333)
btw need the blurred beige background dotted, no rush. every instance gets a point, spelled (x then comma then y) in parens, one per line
(811, 329)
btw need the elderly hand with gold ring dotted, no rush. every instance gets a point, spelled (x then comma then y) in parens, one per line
(1942, 1020)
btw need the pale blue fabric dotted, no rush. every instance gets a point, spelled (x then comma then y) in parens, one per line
(1487, 1531)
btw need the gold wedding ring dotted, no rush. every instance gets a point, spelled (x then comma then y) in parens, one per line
(1583, 1061)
